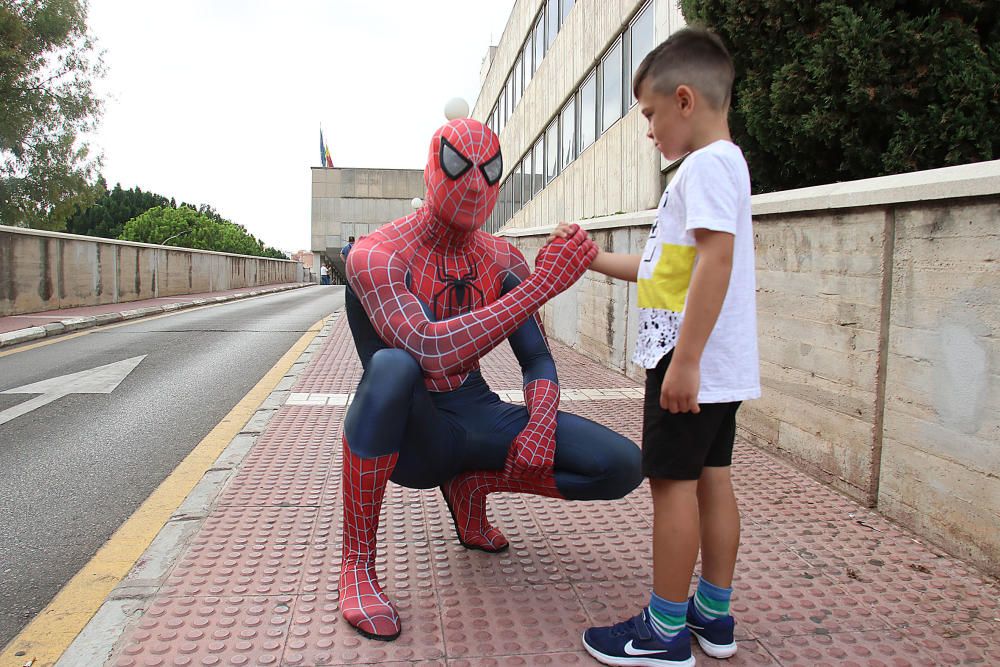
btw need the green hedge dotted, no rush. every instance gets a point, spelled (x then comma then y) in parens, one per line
(834, 91)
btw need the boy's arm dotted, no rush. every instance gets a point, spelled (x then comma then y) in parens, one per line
(612, 264)
(707, 292)
(617, 265)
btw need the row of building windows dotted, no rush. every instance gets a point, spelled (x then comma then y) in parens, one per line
(547, 24)
(601, 100)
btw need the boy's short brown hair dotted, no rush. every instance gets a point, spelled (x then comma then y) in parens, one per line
(693, 56)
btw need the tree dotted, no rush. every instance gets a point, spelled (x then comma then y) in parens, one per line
(185, 227)
(107, 216)
(47, 64)
(839, 90)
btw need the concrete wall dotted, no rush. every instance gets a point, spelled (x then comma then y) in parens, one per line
(621, 171)
(879, 307)
(45, 271)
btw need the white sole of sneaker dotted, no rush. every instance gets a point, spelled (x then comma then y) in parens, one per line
(616, 661)
(715, 650)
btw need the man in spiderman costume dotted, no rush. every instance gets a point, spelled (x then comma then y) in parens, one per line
(428, 296)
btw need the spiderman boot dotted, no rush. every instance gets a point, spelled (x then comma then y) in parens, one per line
(362, 601)
(466, 498)
(466, 493)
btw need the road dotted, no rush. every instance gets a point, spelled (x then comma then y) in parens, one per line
(72, 470)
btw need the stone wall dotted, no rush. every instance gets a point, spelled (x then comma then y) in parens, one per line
(879, 307)
(45, 271)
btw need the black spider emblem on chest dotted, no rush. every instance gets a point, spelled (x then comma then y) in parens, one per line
(458, 294)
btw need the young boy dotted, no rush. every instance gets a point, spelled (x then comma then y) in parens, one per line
(697, 339)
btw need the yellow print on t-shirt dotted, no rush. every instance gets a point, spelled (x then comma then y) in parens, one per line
(667, 288)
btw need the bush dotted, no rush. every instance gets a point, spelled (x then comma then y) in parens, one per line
(185, 227)
(831, 91)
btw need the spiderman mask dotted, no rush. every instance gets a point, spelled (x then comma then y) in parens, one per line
(463, 173)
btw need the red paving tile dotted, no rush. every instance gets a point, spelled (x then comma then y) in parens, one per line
(820, 580)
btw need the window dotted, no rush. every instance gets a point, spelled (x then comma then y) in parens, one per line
(588, 111)
(567, 125)
(611, 87)
(518, 82)
(501, 112)
(538, 38)
(526, 189)
(564, 10)
(551, 22)
(537, 167)
(526, 57)
(515, 190)
(502, 203)
(640, 43)
(509, 110)
(552, 150)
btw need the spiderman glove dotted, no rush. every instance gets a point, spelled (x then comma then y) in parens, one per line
(532, 454)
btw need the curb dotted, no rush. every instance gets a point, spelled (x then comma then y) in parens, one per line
(27, 334)
(98, 642)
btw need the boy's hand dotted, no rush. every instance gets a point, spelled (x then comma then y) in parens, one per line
(679, 392)
(563, 231)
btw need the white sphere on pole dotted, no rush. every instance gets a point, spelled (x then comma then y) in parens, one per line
(456, 108)
(416, 203)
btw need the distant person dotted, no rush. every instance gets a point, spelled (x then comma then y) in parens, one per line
(697, 341)
(347, 248)
(324, 275)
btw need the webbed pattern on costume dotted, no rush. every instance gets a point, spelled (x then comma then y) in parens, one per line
(441, 294)
(464, 202)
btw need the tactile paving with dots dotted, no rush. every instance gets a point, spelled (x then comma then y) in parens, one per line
(819, 578)
(210, 631)
(336, 367)
(320, 636)
(245, 551)
(292, 461)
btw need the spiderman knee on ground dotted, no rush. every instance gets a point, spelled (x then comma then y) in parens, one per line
(428, 296)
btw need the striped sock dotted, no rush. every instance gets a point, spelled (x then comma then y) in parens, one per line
(710, 601)
(666, 617)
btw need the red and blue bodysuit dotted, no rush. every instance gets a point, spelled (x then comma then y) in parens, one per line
(428, 296)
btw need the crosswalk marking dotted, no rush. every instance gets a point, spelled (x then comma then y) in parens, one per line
(511, 396)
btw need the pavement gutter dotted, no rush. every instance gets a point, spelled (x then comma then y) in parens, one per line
(70, 324)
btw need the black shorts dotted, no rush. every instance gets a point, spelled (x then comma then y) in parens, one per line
(678, 446)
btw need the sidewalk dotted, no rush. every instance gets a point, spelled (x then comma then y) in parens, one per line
(16, 329)
(820, 579)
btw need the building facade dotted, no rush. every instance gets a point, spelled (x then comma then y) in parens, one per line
(558, 93)
(355, 202)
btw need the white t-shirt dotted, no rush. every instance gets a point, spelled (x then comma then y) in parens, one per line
(323, 270)
(711, 190)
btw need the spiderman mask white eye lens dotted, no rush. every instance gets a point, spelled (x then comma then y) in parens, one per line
(453, 163)
(492, 169)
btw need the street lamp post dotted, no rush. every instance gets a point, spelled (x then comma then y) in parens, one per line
(171, 238)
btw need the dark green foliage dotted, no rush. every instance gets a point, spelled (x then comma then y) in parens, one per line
(832, 91)
(108, 215)
(47, 103)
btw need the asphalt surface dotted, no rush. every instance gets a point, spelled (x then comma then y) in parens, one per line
(72, 471)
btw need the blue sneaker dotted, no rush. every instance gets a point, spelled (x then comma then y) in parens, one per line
(634, 644)
(714, 637)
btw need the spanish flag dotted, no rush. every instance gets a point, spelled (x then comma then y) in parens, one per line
(329, 160)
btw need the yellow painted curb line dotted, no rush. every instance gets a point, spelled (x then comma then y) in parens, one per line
(51, 632)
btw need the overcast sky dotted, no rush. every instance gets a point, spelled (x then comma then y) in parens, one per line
(221, 101)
